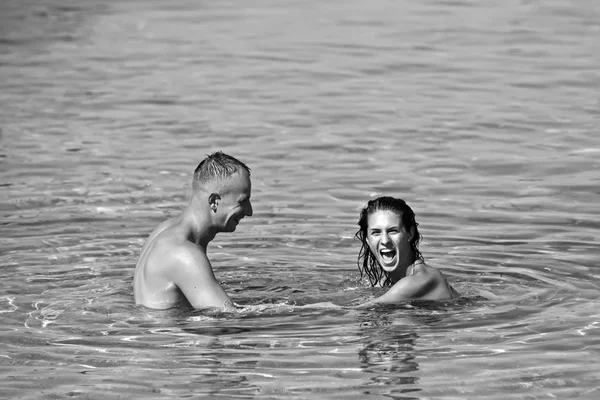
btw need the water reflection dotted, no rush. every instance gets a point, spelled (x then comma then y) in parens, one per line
(387, 352)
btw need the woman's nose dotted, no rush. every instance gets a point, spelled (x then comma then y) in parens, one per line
(385, 238)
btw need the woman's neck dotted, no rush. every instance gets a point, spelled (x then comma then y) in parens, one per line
(404, 271)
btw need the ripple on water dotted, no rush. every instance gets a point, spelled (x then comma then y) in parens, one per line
(486, 126)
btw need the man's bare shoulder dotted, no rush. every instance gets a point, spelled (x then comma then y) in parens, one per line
(166, 228)
(176, 268)
(169, 244)
(165, 263)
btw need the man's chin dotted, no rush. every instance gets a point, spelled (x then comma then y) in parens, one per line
(231, 226)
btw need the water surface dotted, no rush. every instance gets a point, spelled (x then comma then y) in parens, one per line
(483, 116)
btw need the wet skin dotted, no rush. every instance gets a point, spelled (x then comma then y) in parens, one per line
(173, 268)
(389, 242)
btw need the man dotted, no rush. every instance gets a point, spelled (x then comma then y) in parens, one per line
(173, 268)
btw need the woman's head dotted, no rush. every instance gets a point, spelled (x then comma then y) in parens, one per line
(389, 240)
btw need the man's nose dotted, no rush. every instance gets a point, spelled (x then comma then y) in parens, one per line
(249, 210)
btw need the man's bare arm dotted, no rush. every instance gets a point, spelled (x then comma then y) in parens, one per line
(193, 275)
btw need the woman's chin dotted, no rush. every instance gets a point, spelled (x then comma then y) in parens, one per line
(389, 267)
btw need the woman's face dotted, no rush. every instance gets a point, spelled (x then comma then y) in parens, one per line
(389, 241)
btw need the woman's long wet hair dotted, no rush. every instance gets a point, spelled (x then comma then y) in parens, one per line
(367, 263)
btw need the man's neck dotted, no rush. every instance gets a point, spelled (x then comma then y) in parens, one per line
(198, 227)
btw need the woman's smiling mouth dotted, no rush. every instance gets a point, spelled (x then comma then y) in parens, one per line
(388, 257)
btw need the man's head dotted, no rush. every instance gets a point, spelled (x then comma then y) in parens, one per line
(223, 183)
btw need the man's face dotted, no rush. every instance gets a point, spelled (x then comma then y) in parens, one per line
(235, 204)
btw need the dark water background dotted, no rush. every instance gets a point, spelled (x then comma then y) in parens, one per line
(483, 115)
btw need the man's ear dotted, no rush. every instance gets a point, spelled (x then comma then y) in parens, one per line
(213, 201)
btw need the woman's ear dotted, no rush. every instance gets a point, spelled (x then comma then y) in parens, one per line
(411, 236)
(213, 201)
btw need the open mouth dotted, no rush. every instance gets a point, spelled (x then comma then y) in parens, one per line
(388, 256)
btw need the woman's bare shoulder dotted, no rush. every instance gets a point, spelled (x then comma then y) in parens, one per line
(420, 268)
(435, 275)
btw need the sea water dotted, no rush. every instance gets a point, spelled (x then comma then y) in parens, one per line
(483, 116)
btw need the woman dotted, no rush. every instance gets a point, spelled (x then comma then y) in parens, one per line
(390, 256)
